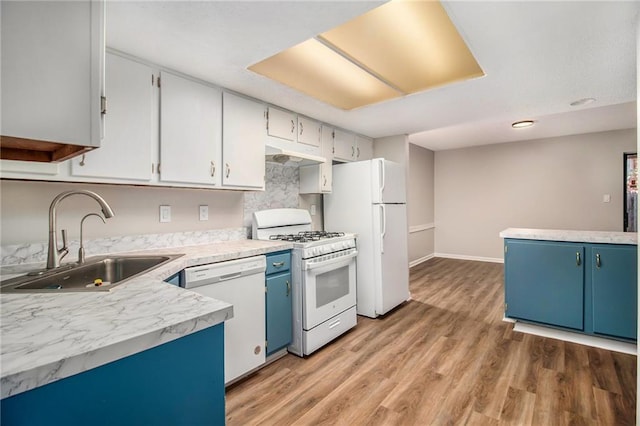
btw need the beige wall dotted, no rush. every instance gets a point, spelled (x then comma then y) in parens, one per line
(550, 183)
(25, 209)
(393, 148)
(420, 205)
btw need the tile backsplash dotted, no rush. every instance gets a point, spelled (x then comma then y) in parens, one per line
(281, 191)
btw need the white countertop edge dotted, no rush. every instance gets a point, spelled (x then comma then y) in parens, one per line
(603, 237)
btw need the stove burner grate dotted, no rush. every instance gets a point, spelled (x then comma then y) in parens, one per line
(306, 236)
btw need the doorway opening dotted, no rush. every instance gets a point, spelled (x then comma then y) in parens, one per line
(630, 192)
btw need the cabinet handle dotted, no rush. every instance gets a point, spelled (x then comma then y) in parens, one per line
(301, 128)
(578, 261)
(103, 105)
(598, 263)
(358, 149)
(288, 288)
(213, 169)
(293, 126)
(325, 181)
(228, 169)
(278, 264)
(82, 160)
(353, 151)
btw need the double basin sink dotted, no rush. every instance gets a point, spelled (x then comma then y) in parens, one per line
(100, 273)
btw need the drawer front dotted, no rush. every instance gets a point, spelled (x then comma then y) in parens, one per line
(278, 263)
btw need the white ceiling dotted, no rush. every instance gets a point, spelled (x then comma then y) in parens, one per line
(537, 56)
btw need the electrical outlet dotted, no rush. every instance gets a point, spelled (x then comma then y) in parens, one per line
(606, 198)
(312, 210)
(165, 213)
(204, 212)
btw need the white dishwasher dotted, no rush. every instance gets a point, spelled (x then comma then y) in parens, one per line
(241, 283)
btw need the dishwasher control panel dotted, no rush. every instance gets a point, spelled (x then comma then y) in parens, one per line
(196, 276)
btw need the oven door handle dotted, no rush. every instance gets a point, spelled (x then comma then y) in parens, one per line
(333, 263)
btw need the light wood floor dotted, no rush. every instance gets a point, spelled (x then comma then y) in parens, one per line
(444, 358)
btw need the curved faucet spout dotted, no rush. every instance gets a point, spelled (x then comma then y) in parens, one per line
(55, 254)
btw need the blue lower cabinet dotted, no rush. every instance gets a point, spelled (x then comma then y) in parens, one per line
(614, 271)
(592, 288)
(545, 282)
(278, 301)
(177, 383)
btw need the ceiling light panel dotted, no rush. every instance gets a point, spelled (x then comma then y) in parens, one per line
(316, 70)
(413, 45)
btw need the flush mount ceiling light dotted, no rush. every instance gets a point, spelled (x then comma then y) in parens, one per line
(522, 124)
(582, 101)
(399, 48)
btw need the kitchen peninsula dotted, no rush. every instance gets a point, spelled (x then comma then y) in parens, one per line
(142, 329)
(581, 281)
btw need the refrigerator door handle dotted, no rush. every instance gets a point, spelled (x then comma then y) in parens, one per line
(381, 177)
(383, 226)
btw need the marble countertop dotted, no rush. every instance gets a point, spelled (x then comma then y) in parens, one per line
(604, 237)
(47, 337)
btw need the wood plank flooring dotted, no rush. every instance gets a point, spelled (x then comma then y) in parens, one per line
(443, 358)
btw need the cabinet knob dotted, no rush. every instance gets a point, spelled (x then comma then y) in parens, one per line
(578, 261)
(598, 263)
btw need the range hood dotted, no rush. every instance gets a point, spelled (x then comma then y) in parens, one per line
(287, 157)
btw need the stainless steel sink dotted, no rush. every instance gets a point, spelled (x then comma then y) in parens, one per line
(100, 273)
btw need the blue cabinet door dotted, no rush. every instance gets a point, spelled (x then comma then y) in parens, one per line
(544, 282)
(614, 276)
(278, 311)
(177, 383)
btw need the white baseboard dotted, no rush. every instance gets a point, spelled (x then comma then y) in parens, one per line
(583, 339)
(421, 260)
(465, 257)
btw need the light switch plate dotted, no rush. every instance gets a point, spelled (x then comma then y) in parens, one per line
(312, 210)
(165, 213)
(204, 212)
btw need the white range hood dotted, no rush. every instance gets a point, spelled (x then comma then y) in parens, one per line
(275, 154)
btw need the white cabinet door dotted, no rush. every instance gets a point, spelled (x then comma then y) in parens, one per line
(282, 124)
(190, 131)
(364, 148)
(243, 142)
(316, 179)
(126, 149)
(308, 131)
(326, 168)
(52, 71)
(344, 145)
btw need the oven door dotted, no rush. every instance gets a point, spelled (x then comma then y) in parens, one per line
(329, 286)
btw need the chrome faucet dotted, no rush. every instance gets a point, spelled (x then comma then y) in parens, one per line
(81, 257)
(55, 254)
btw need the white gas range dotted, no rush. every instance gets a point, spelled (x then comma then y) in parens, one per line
(323, 270)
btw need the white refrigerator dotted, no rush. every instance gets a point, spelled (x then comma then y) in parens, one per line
(369, 198)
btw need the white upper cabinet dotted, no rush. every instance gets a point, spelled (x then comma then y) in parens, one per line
(190, 131)
(317, 179)
(243, 142)
(344, 145)
(308, 131)
(364, 148)
(52, 77)
(126, 149)
(281, 124)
